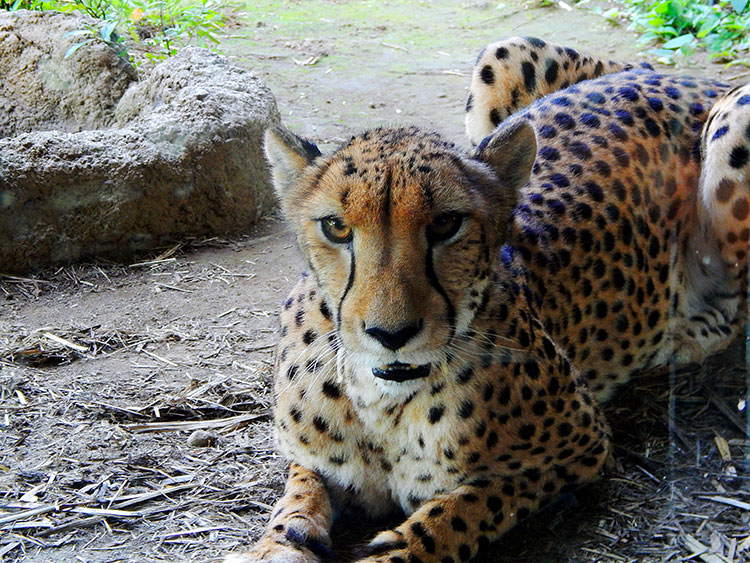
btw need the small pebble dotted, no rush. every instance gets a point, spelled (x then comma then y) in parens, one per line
(201, 439)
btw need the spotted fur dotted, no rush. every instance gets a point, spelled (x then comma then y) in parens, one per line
(587, 238)
(512, 73)
(725, 178)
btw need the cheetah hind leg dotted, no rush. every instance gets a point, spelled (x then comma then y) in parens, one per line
(298, 531)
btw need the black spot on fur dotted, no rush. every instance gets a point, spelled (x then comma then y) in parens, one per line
(436, 413)
(292, 372)
(458, 524)
(529, 75)
(331, 390)
(309, 336)
(535, 42)
(495, 117)
(487, 74)
(739, 157)
(552, 71)
(466, 408)
(527, 431)
(320, 424)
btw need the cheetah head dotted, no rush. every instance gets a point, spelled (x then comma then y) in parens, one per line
(401, 231)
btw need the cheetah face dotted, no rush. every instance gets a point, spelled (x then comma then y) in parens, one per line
(401, 231)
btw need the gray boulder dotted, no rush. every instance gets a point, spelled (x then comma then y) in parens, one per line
(41, 90)
(179, 154)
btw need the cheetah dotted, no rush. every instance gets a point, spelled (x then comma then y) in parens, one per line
(465, 315)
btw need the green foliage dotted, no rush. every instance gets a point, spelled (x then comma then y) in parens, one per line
(163, 26)
(684, 25)
(95, 8)
(13, 5)
(155, 29)
(105, 32)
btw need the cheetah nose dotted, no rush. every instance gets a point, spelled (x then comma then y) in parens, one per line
(395, 340)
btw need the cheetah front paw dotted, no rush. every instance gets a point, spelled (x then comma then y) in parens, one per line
(269, 550)
(296, 540)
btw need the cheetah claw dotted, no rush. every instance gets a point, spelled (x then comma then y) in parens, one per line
(319, 547)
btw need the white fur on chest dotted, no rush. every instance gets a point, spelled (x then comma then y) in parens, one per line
(395, 417)
(391, 453)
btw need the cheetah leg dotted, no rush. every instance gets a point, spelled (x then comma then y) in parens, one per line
(454, 526)
(298, 531)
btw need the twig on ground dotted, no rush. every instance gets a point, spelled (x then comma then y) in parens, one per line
(195, 424)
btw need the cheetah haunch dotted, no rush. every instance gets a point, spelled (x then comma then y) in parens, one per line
(465, 315)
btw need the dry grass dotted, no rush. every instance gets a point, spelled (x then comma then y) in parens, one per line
(95, 449)
(129, 487)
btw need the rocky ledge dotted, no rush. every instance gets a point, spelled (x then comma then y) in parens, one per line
(130, 166)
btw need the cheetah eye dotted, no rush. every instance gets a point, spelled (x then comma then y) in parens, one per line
(445, 226)
(335, 230)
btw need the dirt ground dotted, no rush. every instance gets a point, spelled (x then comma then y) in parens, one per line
(106, 370)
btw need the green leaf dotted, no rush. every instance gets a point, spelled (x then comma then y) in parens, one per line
(75, 47)
(107, 29)
(662, 7)
(678, 42)
(739, 5)
(662, 53)
(708, 26)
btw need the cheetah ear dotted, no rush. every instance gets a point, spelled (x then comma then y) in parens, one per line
(510, 151)
(288, 156)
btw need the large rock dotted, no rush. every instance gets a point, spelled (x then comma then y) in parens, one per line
(183, 157)
(42, 90)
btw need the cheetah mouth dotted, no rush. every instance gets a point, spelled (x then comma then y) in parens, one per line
(401, 372)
